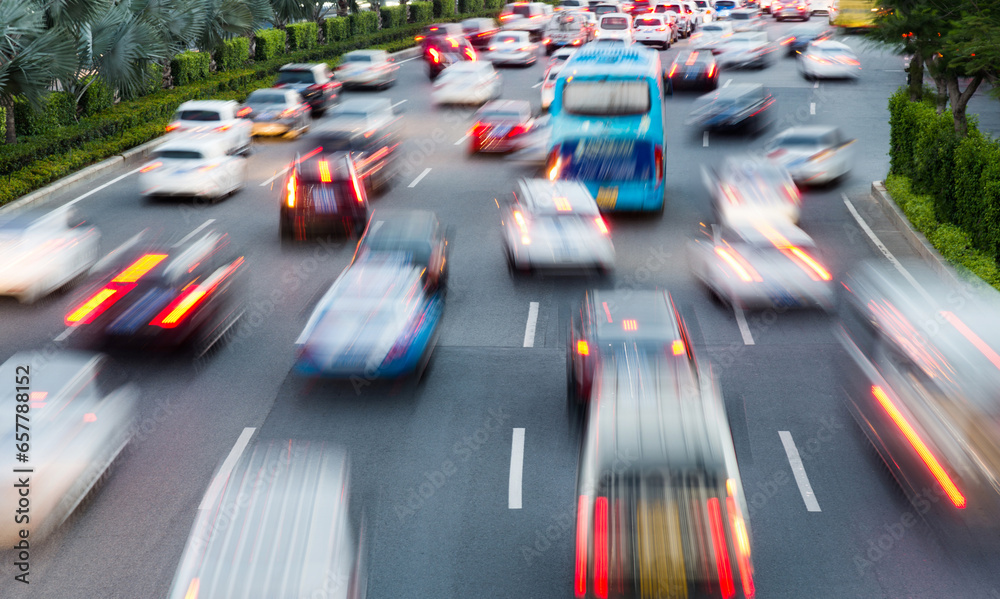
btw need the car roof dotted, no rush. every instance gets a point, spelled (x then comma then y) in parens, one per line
(700, 55)
(301, 66)
(831, 45)
(411, 225)
(511, 33)
(614, 14)
(206, 105)
(338, 163)
(506, 106)
(470, 66)
(764, 233)
(551, 197)
(213, 144)
(385, 277)
(648, 308)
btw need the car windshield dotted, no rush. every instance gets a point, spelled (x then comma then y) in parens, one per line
(725, 5)
(521, 9)
(614, 23)
(359, 58)
(606, 98)
(296, 77)
(199, 115)
(648, 22)
(350, 114)
(740, 16)
(266, 98)
(607, 160)
(507, 38)
(178, 154)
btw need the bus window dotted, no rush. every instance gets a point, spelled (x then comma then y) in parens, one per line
(605, 98)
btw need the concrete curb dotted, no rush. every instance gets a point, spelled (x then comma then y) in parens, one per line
(921, 246)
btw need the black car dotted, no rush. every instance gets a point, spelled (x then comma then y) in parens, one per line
(479, 32)
(417, 234)
(437, 31)
(609, 323)
(442, 52)
(738, 107)
(323, 193)
(692, 68)
(799, 37)
(184, 295)
(314, 82)
(371, 129)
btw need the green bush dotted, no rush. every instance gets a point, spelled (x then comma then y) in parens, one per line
(976, 186)
(493, 4)
(189, 66)
(302, 36)
(393, 17)
(467, 6)
(98, 97)
(338, 29)
(444, 9)
(421, 12)
(232, 54)
(934, 160)
(3, 123)
(363, 23)
(902, 132)
(58, 109)
(919, 209)
(270, 44)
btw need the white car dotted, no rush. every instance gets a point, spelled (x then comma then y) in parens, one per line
(473, 82)
(614, 26)
(748, 189)
(745, 49)
(549, 84)
(706, 10)
(193, 166)
(217, 117)
(746, 19)
(814, 155)
(711, 35)
(685, 26)
(653, 30)
(43, 251)
(367, 68)
(555, 225)
(829, 60)
(512, 47)
(82, 415)
(560, 56)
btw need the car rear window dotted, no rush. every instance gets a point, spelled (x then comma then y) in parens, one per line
(296, 77)
(199, 115)
(725, 5)
(359, 58)
(614, 23)
(178, 154)
(740, 16)
(507, 38)
(612, 160)
(521, 9)
(328, 197)
(648, 22)
(266, 98)
(605, 98)
(501, 116)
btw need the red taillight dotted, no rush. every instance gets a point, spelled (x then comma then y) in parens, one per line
(287, 112)
(546, 41)
(419, 38)
(478, 129)
(673, 69)
(242, 112)
(471, 54)
(435, 55)
(124, 282)
(721, 549)
(583, 348)
(741, 541)
(742, 269)
(658, 161)
(518, 130)
(788, 41)
(357, 190)
(601, 547)
(582, 509)
(921, 448)
(192, 296)
(813, 268)
(150, 167)
(601, 225)
(290, 191)
(554, 163)
(172, 127)
(222, 128)
(139, 268)
(711, 71)
(677, 347)
(324, 171)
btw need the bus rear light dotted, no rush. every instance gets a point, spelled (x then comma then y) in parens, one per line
(601, 547)
(583, 348)
(290, 191)
(721, 547)
(658, 161)
(582, 547)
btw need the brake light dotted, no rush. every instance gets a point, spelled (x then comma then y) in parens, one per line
(124, 282)
(925, 454)
(419, 38)
(812, 268)
(139, 268)
(518, 130)
(544, 41)
(742, 269)
(630, 324)
(580, 586)
(673, 69)
(435, 55)
(658, 162)
(583, 348)
(222, 128)
(788, 41)
(452, 41)
(192, 296)
(357, 190)
(601, 547)
(601, 225)
(172, 127)
(711, 70)
(523, 225)
(150, 167)
(478, 129)
(471, 54)
(287, 112)
(677, 347)
(290, 189)
(242, 112)
(741, 541)
(324, 171)
(555, 159)
(721, 549)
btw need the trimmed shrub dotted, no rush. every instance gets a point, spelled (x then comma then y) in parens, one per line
(189, 66)
(919, 209)
(393, 17)
(363, 23)
(493, 4)
(444, 9)
(421, 12)
(270, 44)
(467, 6)
(976, 180)
(934, 160)
(97, 98)
(302, 36)
(338, 29)
(3, 123)
(902, 132)
(232, 54)
(58, 109)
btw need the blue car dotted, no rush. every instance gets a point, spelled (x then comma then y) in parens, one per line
(379, 320)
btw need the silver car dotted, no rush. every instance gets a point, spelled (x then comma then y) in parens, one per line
(555, 225)
(277, 112)
(747, 188)
(814, 155)
(512, 48)
(367, 68)
(359, 124)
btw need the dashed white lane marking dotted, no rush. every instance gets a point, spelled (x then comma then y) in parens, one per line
(222, 477)
(539, 84)
(401, 101)
(799, 471)
(195, 232)
(461, 141)
(529, 329)
(704, 140)
(516, 470)
(276, 175)
(726, 84)
(419, 177)
(99, 188)
(741, 320)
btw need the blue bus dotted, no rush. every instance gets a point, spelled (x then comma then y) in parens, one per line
(607, 127)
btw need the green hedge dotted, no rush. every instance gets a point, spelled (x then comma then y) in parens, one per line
(977, 191)
(421, 12)
(270, 44)
(393, 17)
(57, 110)
(232, 54)
(98, 97)
(3, 123)
(493, 4)
(338, 29)
(444, 9)
(363, 23)
(302, 36)
(188, 67)
(465, 6)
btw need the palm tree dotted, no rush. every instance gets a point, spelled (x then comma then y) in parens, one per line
(232, 18)
(291, 11)
(31, 57)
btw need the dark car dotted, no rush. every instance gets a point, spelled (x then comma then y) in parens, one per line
(611, 322)
(799, 37)
(692, 68)
(437, 31)
(314, 82)
(323, 193)
(738, 107)
(440, 52)
(371, 130)
(640, 7)
(479, 32)
(417, 234)
(163, 296)
(501, 126)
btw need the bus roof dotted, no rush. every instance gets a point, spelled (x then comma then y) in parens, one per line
(624, 61)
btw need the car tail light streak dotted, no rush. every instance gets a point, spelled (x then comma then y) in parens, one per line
(435, 55)
(711, 70)
(222, 128)
(150, 167)
(583, 348)
(192, 296)
(523, 225)
(471, 54)
(677, 347)
(287, 112)
(812, 268)
(357, 190)
(788, 41)
(920, 447)
(172, 127)
(736, 262)
(582, 546)
(673, 69)
(658, 162)
(601, 225)
(601, 547)
(290, 191)
(721, 547)
(518, 130)
(124, 282)
(242, 112)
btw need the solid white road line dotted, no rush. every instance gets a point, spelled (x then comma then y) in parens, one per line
(885, 251)
(529, 329)
(65, 334)
(704, 140)
(539, 84)
(108, 184)
(461, 141)
(516, 470)
(195, 232)
(222, 477)
(812, 108)
(401, 101)
(726, 84)
(406, 60)
(741, 320)
(799, 471)
(276, 175)
(420, 177)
